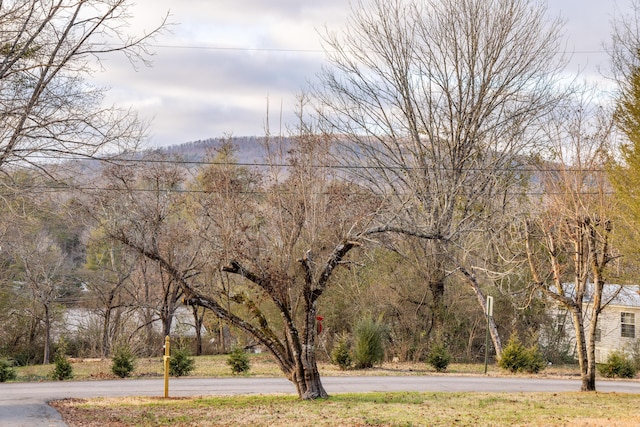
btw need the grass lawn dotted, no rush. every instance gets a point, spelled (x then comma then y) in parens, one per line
(364, 409)
(262, 365)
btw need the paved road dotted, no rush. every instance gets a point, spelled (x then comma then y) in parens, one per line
(24, 404)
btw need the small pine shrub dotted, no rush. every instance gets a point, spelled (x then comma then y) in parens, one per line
(123, 362)
(63, 370)
(181, 363)
(535, 360)
(618, 365)
(439, 358)
(239, 361)
(7, 373)
(518, 358)
(341, 354)
(369, 336)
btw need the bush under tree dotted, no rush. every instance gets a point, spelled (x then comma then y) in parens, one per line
(239, 361)
(618, 365)
(7, 372)
(439, 357)
(123, 362)
(341, 354)
(181, 363)
(63, 369)
(369, 336)
(516, 357)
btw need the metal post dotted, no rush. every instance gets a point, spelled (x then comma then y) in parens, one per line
(486, 338)
(167, 356)
(486, 347)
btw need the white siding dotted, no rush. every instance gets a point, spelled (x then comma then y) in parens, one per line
(612, 339)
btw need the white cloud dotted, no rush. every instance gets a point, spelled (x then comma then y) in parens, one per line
(202, 90)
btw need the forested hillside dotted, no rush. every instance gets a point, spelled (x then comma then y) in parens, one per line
(248, 149)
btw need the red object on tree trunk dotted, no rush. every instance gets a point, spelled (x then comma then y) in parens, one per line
(319, 324)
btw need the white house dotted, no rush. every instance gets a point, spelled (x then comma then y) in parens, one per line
(617, 324)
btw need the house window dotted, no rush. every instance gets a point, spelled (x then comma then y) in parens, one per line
(561, 319)
(598, 336)
(627, 325)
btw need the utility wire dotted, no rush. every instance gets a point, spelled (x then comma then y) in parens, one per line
(238, 48)
(44, 189)
(293, 50)
(290, 165)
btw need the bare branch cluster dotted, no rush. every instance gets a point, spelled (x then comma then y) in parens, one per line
(47, 107)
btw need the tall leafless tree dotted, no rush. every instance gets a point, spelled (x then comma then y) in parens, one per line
(569, 234)
(43, 270)
(278, 235)
(283, 248)
(107, 274)
(47, 49)
(435, 104)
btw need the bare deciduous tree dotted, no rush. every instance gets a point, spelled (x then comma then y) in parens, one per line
(278, 237)
(283, 248)
(568, 240)
(107, 274)
(436, 103)
(43, 270)
(47, 108)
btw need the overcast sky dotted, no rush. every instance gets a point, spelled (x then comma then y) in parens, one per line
(223, 59)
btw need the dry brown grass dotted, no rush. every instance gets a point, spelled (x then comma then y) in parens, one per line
(434, 409)
(365, 409)
(262, 365)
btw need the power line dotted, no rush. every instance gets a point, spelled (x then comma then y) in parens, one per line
(44, 189)
(238, 48)
(298, 50)
(112, 160)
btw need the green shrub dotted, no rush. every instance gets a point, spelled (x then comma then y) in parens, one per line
(63, 370)
(369, 343)
(123, 362)
(341, 354)
(26, 357)
(7, 372)
(518, 358)
(239, 361)
(618, 365)
(535, 360)
(439, 357)
(181, 363)
(633, 350)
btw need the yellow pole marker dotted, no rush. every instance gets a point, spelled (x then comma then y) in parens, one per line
(167, 356)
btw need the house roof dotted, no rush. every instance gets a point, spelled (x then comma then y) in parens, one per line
(622, 295)
(628, 295)
(613, 294)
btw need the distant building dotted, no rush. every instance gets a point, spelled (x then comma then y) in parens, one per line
(82, 321)
(617, 324)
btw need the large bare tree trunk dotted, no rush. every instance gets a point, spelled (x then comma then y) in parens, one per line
(436, 274)
(438, 308)
(106, 326)
(310, 382)
(482, 300)
(198, 320)
(587, 376)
